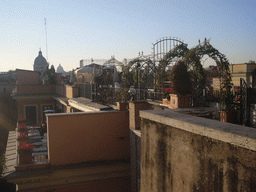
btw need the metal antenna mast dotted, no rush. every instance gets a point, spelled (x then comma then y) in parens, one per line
(46, 39)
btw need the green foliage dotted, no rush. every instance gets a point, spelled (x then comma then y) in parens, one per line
(160, 74)
(166, 93)
(104, 79)
(127, 77)
(177, 52)
(122, 95)
(212, 71)
(192, 58)
(51, 75)
(98, 79)
(180, 79)
(226, 94)
(105, 95)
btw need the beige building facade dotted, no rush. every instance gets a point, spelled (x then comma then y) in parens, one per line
(243, 70)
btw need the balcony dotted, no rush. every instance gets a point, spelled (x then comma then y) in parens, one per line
(40, 152)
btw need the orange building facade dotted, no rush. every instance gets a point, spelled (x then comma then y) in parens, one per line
(86, 151)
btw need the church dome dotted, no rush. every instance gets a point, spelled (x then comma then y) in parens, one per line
(60, 69)
(40, 63)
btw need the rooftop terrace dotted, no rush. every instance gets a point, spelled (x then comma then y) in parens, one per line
(39, 154)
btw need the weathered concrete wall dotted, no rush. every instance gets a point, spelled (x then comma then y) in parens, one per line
(187, 153)
(135, 141)
(134, 108)
(110, 185)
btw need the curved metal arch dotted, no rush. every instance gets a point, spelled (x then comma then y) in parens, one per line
(192, 58)
(143, 63)
(164, 46)
(164, 39)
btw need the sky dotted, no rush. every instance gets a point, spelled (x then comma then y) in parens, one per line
(99, 29)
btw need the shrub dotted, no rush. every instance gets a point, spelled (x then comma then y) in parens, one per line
(180, 79)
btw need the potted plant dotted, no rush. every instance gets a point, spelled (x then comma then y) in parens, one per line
(181, 86)
(22, 122)
(22, 139)
(22, 129)
(122, 96)
(166, 96)
(227, 112)
(25, 154)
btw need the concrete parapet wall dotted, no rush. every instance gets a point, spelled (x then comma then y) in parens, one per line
(186, 153)
(71, 91)
(134, 108)
(26, 77)
(93, 136)
(35, 89)
(61, 90)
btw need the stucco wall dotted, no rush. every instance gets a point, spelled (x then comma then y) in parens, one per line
(39, 103)
(196, 155)
(242, 68)
(71, 91)
(35, 89)
(80, 137)
(25, 77)
(61, 90)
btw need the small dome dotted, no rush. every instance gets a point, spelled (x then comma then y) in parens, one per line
(40, 63)
(60, 69)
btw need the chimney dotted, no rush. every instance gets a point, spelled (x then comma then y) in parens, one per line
(81, 63)
(134, 108)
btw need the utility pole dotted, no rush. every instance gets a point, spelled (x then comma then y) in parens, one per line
(46, 39)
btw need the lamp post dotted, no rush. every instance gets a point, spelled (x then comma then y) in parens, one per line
(132, 92)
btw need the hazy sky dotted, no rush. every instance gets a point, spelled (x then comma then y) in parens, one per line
(99, 29)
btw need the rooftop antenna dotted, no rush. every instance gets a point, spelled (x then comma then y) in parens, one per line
(46, 39)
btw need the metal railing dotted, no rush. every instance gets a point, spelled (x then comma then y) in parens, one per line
(38, 158)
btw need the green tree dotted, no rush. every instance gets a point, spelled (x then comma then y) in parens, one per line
(51, 75)
(126, 77)
(180, 79)
(192, 58)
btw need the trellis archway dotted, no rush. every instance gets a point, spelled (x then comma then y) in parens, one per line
(143, 68)
(192, 58)
(149, 66)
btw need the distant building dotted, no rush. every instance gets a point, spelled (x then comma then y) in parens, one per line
(85, 62)
(7, 82)
(77, 153)
(87, 73)
(238, 71)
(114, 63)
(60, 69)
(40, 63)
(243, 70)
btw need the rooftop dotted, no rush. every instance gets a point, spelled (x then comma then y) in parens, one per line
(85, 104)
(40, 154)
(230, 133)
